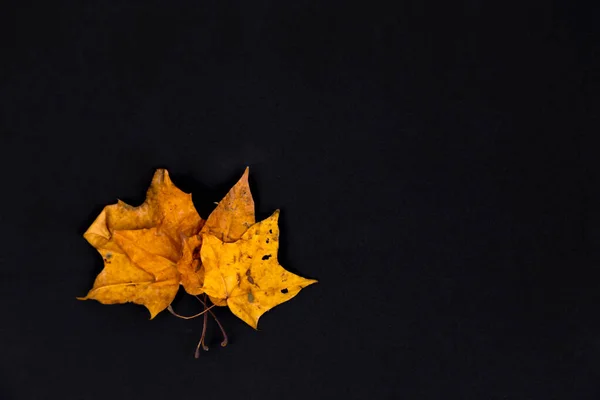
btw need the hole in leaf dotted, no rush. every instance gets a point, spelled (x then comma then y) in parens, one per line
(284, 291)
(267, 240)
(270, 230)
(266, 257)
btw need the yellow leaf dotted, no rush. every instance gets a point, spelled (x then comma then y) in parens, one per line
(141, 245)
(247, 274)
(230, 219)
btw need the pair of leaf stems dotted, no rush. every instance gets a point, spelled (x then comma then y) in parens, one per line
(207, 310)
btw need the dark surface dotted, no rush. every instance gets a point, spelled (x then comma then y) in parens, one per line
(434, 167)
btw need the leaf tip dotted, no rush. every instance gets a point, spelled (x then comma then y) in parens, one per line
(161, 176)
(244, 178)
(153, 313)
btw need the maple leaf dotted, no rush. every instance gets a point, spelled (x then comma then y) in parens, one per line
(246, 273)
(229, 220)
(141, 246)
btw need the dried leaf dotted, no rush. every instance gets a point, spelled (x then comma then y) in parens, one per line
(141, 245)
(234, 214)
(246, 273)
(230, 219)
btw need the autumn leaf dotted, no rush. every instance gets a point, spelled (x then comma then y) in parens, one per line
(230, 219)
(234, 214)
(141, 246)
(246, 272)
(152, 249)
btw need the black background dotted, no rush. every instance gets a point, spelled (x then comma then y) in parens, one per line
(434, 165)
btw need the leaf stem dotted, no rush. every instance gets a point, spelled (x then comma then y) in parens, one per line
(190, 317)
(225, 339)
(203, 336)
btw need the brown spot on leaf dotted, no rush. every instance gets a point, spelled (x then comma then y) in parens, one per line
(249, 276)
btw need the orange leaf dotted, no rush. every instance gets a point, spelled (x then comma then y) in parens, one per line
(141, 246)
(229, 220)
(234, 214)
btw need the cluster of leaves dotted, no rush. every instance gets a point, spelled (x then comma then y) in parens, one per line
(229, 258)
